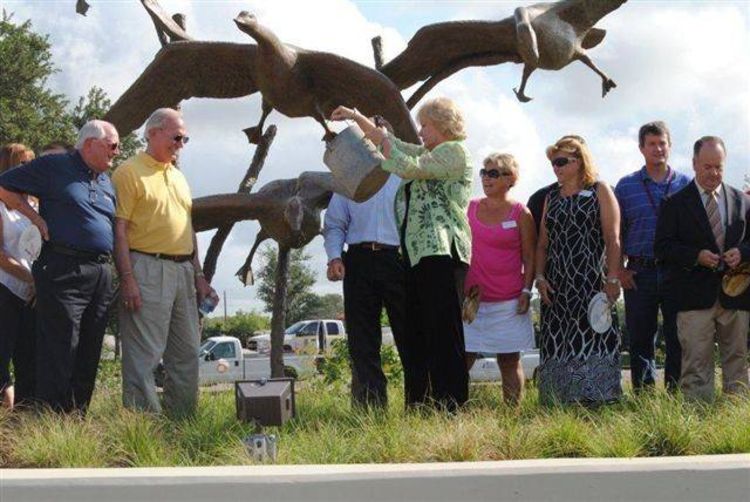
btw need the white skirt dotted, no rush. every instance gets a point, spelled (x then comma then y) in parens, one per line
(498, 329)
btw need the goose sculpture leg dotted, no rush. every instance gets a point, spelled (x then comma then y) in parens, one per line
(254, 133)
(519, 92)
(607, 83)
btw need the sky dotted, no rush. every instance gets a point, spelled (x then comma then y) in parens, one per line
(684, 62)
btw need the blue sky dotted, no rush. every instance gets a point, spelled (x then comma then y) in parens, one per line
(685, 62)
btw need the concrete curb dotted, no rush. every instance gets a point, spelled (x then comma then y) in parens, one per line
(699, 478)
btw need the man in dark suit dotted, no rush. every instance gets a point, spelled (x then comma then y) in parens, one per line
(701, 233)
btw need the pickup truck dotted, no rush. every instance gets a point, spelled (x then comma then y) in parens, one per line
(222, 359)
(303, 337)
(485, 369)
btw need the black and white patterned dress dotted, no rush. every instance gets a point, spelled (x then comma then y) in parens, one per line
(577, 364)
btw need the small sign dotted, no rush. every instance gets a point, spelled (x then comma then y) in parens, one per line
(30, 243)
(585, 193)
(507, 225)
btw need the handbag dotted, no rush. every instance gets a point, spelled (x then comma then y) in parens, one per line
(471, 304)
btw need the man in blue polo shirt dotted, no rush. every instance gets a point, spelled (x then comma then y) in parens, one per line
(644, 282)
(72, 276)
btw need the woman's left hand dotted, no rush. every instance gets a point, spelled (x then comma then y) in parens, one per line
(523, 304)
(612, 291)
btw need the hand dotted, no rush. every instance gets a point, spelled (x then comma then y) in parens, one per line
(203, 289)
(708, 259)
(627, 278)
(39, 223)
(130, 295)
(612, 290)
(545, 290)
(732, 257)
(523, 304)
(343, 113)
(377, 135)
(386, 148)
(335, 270)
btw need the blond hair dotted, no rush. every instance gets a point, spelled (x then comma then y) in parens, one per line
(576, 147)
(506, 160)
(14, 154)
(445, 116)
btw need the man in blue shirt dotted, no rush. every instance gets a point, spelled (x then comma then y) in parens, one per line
(644, 282)
(374, 276)
(73, 275)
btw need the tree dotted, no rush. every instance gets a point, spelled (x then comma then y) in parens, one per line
(300, 298)
(94, 106)
(329, 306)
(30, 113)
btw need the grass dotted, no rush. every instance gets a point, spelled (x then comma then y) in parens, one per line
(327, 430)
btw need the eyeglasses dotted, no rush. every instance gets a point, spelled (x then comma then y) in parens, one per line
(493, 173)
(112, 146)
(181, 139)
(563, 161)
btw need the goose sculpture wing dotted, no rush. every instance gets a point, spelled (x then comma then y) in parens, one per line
(182, 70)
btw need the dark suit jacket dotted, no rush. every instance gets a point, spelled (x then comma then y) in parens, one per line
(682, 231)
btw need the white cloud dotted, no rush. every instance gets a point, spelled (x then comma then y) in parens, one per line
(684, 62)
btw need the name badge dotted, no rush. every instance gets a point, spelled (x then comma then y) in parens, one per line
(585, 193)
(509, 224)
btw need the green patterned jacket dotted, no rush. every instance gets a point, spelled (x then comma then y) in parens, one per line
(440, 193)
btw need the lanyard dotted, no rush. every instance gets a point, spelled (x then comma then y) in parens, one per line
(670, 176)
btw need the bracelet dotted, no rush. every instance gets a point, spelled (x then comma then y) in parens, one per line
(613, 280)
(540, 278)
(354, 113)
(200, 273)
(129, 272)
(526, 291)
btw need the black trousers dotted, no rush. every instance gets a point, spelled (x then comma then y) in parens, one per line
(73, 297)
(373, 280)
(16, 343)
(434, 288)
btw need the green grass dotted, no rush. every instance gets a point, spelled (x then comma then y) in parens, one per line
(328, 430)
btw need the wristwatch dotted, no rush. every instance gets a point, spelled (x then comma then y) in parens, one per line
(613, 280)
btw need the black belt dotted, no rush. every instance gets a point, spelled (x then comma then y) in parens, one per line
(642, 261)
(179, 258)
(78, 253)
(373, 246)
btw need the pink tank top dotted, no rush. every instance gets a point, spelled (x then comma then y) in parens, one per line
(496, 264)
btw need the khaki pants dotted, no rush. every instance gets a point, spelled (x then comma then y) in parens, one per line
(166, 326)
(697, 330)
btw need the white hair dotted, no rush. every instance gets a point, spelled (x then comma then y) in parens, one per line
(158, 118)
(96, 129)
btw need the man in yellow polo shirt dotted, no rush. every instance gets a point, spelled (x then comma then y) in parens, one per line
(160, 273)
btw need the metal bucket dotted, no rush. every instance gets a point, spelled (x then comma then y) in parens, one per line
(355, 164)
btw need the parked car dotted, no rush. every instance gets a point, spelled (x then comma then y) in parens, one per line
(485, 368)
(222, 359)
(308, 337)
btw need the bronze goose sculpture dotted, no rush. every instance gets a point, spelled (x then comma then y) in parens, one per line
(302, 83)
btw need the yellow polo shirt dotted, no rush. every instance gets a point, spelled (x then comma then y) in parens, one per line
(155, 199)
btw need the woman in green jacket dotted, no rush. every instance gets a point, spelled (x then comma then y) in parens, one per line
(431, 209)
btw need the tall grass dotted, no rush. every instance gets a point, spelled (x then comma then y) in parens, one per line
(328, 430)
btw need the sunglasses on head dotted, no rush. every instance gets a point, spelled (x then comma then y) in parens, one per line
(181, 139)
(562, 161)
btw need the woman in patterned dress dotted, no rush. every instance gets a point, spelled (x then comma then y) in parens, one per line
(578, 256)
(431, 209)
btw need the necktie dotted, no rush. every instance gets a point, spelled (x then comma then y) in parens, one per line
(714, 219)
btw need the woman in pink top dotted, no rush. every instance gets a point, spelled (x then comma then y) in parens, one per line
(502, 256)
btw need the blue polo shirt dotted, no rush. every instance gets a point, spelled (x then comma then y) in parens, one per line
(79, 208)
(639, 212)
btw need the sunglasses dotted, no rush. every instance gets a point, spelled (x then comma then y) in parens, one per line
(181, 139)
(563, 161)
(493, 173)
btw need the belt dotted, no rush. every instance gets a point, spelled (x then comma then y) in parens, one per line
(80, 254)
(373, 246)
(642, 261)
(179, 258)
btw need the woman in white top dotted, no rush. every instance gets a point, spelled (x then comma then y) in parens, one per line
(16, 294)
